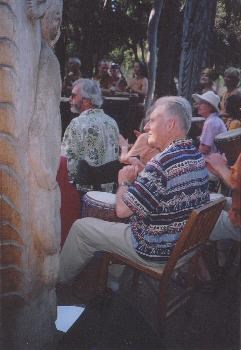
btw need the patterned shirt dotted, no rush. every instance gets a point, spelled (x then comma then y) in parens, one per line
(212, 126)
(173, 183)
(93, 136)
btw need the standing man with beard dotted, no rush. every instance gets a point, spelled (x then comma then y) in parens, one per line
(93, 135)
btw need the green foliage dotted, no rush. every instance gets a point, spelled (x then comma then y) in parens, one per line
(226, 50)
(94, 31)
(116, 29)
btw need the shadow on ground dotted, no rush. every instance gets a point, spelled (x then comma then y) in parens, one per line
(127, 319)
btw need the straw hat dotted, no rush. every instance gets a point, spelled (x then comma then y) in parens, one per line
(209, 97)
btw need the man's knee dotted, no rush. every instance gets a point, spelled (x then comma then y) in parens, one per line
(80, 226)
(84, 229)
(224, 229)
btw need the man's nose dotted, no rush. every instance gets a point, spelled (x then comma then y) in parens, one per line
(147, 126)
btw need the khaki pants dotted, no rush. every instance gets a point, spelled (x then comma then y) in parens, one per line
(89, 235)
(224, 229)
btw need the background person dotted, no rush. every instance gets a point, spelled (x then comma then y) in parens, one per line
(208, 107)
(103, 77)
(139, 83)
(231, 80)
(93, 135)
(233, 110)
(119, 83)
(207, 79)
(228, 225)
(73, 74)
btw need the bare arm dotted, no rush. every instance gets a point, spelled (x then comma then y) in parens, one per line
(139, 88)
(122, 211)
(204, 149)
(137, 149)
(217, 164)
(127, 174)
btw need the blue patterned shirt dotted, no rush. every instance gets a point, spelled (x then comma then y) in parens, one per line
(173, 183)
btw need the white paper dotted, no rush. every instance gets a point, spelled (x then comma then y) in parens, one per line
(66, 316)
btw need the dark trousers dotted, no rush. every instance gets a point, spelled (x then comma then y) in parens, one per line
(96, 175)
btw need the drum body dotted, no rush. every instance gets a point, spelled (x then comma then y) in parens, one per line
(229, 142)
(99, 205)
(196, 127)
(118, 109)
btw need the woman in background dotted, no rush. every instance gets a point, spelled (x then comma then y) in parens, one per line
(233, 110)
(139, 83)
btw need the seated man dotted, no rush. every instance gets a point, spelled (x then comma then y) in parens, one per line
(93, 135)
(158, 200)
(228, 224)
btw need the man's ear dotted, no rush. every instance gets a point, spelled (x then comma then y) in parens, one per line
(171, 123)
(86, 103)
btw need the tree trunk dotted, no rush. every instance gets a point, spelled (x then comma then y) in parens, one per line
(152, 48)
(60, 51)
(197, 29)
(169, 36)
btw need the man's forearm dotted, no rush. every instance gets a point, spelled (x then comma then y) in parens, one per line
(225, 174)
(122, 209)
(204, 149)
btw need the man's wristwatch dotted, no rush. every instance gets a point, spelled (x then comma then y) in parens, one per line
(125, 183)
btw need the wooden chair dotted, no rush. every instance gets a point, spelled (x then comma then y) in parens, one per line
(187, 250)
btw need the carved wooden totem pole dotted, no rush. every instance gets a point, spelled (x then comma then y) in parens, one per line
(30, 136)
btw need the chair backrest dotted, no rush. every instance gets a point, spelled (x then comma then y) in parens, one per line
(196, 231)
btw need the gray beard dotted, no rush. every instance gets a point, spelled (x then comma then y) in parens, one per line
(75, 109)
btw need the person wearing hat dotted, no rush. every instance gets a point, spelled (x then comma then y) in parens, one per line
(208, 108)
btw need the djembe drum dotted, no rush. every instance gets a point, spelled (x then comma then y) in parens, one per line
(99, 205)
(118, 109)
(229, 142)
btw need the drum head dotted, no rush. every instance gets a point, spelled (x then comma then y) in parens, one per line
(231, 134)
(103, 197)
(214, 196)
(198, 119)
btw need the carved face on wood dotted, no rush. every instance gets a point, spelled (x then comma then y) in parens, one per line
(51, 22)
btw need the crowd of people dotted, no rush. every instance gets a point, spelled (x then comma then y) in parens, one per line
(160, 179)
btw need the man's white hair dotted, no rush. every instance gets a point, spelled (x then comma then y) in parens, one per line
(176, 106)
(90, 89)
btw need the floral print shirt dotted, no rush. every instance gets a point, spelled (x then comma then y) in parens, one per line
(93, 136)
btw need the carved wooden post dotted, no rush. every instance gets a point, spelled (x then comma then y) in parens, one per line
(30, 139)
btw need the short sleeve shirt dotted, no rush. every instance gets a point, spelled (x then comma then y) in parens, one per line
(93, 136)
(162, 197)
(212, 127)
